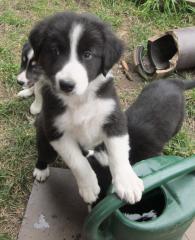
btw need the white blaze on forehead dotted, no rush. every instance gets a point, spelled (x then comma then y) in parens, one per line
(30, 54)
(73, 70)
(22, 76)
(75, 35)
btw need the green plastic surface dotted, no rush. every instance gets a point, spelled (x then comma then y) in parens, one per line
(175, 176)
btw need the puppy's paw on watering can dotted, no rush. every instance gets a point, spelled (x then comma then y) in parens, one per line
(128, 186)
(165, 212)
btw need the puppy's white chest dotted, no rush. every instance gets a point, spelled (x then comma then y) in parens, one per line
(84, 121)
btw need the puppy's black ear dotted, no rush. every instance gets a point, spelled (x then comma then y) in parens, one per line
(36, 38)
(113, 50)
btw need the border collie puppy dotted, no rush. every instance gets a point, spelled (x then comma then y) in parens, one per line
(27, 85)
(31, 84)
(80, 106)
(156, 116)
(153, 119)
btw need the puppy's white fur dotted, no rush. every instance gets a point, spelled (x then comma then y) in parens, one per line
(86, 179)
(74, 71)
(84, 118)
(22, 78)
(101, 157)
(36, 106)
(30, 54)
(26, 92)
(41, 175)
(127, 185)
(82, 123)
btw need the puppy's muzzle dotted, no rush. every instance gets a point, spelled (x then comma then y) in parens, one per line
(20, 82)
(67, 87)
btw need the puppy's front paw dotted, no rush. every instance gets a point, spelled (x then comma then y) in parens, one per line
(25, 93)
(35, 108)
(128, 186)
(41, 175)
(89, 191)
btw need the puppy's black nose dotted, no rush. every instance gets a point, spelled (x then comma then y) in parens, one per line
(20, 82)
(66, 86)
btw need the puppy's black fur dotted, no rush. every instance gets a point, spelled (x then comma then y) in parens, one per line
(47, 41)
(97, 50)
(153, 119)
(24, 56)
(32, 70)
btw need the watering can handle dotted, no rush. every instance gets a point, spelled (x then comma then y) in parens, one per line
(111, 203)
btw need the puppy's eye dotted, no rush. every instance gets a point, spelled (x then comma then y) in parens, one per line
(87, 55)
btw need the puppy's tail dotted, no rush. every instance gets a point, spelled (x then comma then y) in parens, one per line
(188, 84)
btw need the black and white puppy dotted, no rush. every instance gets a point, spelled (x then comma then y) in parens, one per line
(27, 84)
(30, 78)
(153, 119)
(80, 106)
(156, 116)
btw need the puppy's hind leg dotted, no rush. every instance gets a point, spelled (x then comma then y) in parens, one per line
(46, 155)
(101, 155)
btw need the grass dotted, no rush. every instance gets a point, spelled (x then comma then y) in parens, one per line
(17, 155)
(4, 237)
(181, 145)
(17, 135)
(190, 108)
(9, 17)
(167, 6)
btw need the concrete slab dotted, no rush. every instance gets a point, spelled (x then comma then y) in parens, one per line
(55, 210)
(185, 238)
(191, 232)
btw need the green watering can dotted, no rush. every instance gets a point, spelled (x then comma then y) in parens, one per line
(169, 190)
